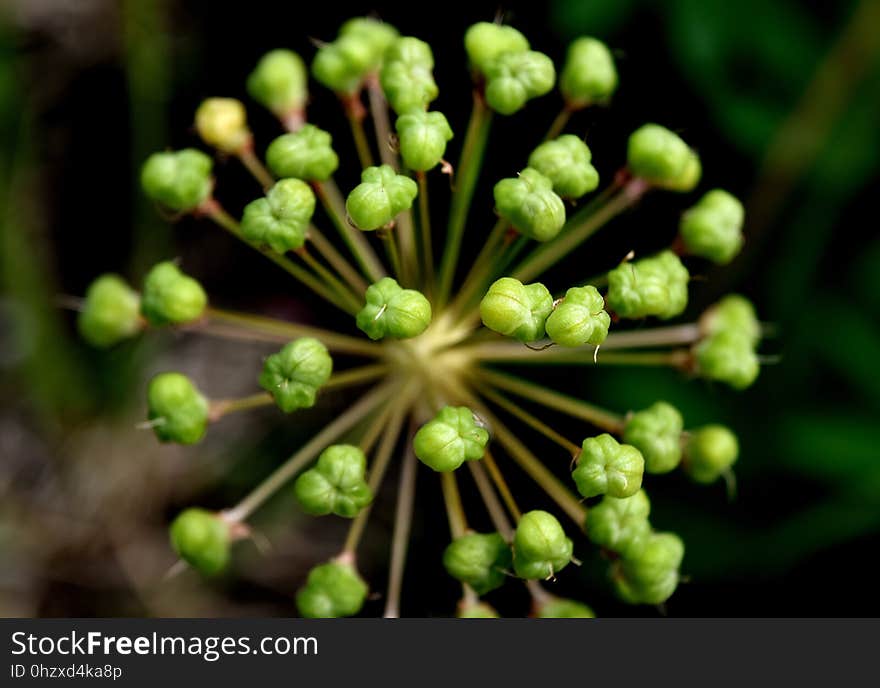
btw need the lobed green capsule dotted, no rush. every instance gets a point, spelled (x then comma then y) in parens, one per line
(710, 451)
(450, 439)
(514, 78)
(202, 539)
(179, 180)
(728, 356)
(222, 123)
(406, 77)
(279, 82)
(656, 285)
(177, 411)
(656, 433)
(478, 559)
(380, 197)
(332, 590)
(280, 220)
(662, 158)
(713, 227)
(392, 311)
(579, 319)
(294, 375)
(565, 161)
(170, 297)
(337, 483)
(605, 466)
(110, 312)
(485, 41)
(515, 309)
(541, 548)
(422, 137)
(306, 154)
(589, 75)
(529, 203)
(620, 524)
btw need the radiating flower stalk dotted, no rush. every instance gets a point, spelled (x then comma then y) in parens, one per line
(435, 339)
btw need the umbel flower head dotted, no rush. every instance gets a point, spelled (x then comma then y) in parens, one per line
(439, 297)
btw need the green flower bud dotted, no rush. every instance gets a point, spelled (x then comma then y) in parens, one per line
(478, 560)
(515, 309)
(652, 575)
(656, 285)
(579, 319)
(201, 539)
(294, 375)
(336, 485)
(713, 227)
(392, 311)
(620, 525)
(332, 590)
(728, 356)
(662, 158)
(450, 439)
(529, 203)
(281, 219)
(406, 76)
(171, 297)
(733, 313)
(559, 608)
(176, 409)
(222, 123)
(540, 546)
(484, 41)
(656, 433)
(110, 312)
(422, 137)
(280, 82)
(380, 197)
(477, 610)
(565, 161)
(306, 154)
(607, 467)
(589, 75)
(710, 451)
(512, 79)
(179, 180)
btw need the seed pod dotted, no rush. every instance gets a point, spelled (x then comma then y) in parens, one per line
(589, 75)
(480, 560)
(422, 137)
(733, 313)
(294, 375)
(608, 467)
(656, 285)
(110, 312)
(450, 439)
(378, 34)
(279, 82)
(337, 484)
(713, 227)
(656, 433)
(710, 451)
(540, 547)
(380, 197)
(202, 540)
(579, 319)
(560, 608)
(515, 309)
(332, 590)
(729, 357)
(343, 64)
(484, 41)
(176, 409)
(306, 154)
(512, 79)
(662, 158)
(222, 123)
(529, 204)
(392, 311)
(406, 76)
(620, 525)
(565, 161)
(477, 610)
(281, 219)
(170, 297)
(651, 575)
(179, 180)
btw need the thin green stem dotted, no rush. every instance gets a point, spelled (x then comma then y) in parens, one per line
(350, 300)
(677, 358)
(484, 266)
(501, 485)
(389, 240)
(381, 122)
(223, 407)
(454, 508)
(406, 495)
(426, 244)
(559, 123)
(255, 166)
(345, 269)
(490, 499)
(405, 234)
(356, 123)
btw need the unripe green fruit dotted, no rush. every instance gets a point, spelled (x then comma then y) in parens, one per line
(565, 161)
(484, 41)
(337, 484)
(713, 227)
(332, 590)
(171, 297)
(450, 439)
(515, 309)
(512, 79)
(343, 64)
(406, 76)
(529, 203)
(607, 467)
(661, 157)
(540, 547)
(651, 575)
(281, 219)
(477, 610)
(294, 375)
(380, 197)
(480, 560)
(222, 123)
(201, 539)
(378, 34)
(279, 82)
(306, 154)
(179, 180)
(392, 311)
(110, 312)
(177, 410)
(589, 75)
(579, 319)
(656, 433)
(733, 313)
(729, 357)
(620, 525)
(559, 608)
(710, 451)
(422, 137)
(656, 285)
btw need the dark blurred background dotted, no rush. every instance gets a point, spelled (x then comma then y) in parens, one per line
(782, 100)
